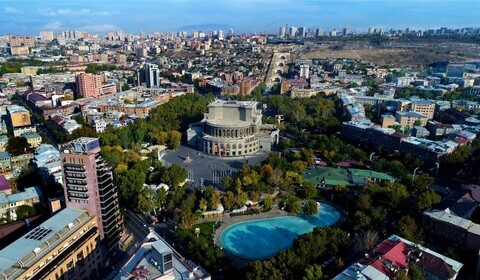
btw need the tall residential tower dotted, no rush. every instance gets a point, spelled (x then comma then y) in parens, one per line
(89, 186)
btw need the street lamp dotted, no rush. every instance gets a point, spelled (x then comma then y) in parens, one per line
(371, 156)
(414, 172)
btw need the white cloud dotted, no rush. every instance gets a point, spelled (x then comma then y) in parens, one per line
(75, 13)
(99, 28)
(10, 10)
(54, 25)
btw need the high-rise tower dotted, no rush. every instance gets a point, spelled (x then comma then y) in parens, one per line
(88, 185)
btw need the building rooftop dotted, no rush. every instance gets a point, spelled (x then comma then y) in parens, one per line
(28, 249)
(4, 185)
(371, 174)
(143, 262)
(233, 103)
(449, 217)
(396, 253)
(327, 175)
(28, 193)
(31, 135)
(16, 109)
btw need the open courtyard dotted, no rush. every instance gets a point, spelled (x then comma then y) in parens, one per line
(207, 168)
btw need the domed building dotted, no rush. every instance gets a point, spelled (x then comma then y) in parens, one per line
(232, 128)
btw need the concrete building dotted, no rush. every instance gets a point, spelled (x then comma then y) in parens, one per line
(88, 185)
(410, 119)
(17, 117)
(387, 121)
(88, 85)
(63, 247)
(9, 203)
(152, 75)
(395, 254)
(19, 51)
(365, 132)
(304, 71)
(282, 32)
(22, 41)
(34, 139)
(46, 36)
(424, 107)
(232, 128)
(446, 225)
(156, 259)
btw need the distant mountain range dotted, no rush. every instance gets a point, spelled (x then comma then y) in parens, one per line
(205, 27)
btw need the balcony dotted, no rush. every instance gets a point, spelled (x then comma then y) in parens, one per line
(70, 177)
(73, 197)
(78, 192)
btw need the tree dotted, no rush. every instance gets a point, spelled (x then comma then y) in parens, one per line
(401, 275)
(422, 182)
(307, 190)
(415, 273)
(241, 198)
(228, 200)
(361, 221)
(215, 199)
(311, 207)
(267, 202)
(427, 199)
(313, 272)
(174, 175)
(202, 204)
(254, 196)
(174, 138)
(17, 145)
(277, 177)
(366, 240)
(417, 123)
(187, 218)
(160, 197)
(25, 211)
(145, 200)
(293, 204)
(408, 229)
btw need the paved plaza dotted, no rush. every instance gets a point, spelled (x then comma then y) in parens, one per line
(207, 168)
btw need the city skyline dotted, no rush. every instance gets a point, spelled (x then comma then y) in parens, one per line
(30, 17)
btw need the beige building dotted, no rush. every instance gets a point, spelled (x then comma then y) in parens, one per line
(19, 51)
(408, 119)
(22, 41)
(9, 203)
(33, 138)
(18, 116)
(388, 121)
(424, 107)
(139, 109)
(63, 247)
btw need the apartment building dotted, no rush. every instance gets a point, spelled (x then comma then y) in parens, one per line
(63, 247)
(88, 185)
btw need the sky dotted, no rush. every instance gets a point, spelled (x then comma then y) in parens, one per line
(29, 17)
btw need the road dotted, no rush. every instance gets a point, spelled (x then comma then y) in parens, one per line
(136, 225)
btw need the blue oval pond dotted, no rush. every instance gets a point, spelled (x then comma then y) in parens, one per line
(261, 239)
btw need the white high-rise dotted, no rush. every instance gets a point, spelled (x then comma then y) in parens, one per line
(282, 32)
(304, 71)
(293, 31)
(152, 76)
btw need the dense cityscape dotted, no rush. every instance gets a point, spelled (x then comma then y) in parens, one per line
(301, 153)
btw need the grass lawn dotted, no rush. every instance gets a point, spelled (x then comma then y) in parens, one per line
(205, 229)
